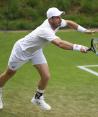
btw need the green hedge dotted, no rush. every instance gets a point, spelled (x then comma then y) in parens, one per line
(87, 21)
(27, 14)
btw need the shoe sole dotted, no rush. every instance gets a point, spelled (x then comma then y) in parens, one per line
(35, 103)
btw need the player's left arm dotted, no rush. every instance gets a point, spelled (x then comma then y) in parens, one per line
(79, 28)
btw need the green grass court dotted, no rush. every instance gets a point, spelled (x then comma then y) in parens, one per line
(71, 92)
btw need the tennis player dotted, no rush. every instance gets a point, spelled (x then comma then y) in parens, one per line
(30, 48)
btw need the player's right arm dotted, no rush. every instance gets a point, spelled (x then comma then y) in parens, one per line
(69, 46)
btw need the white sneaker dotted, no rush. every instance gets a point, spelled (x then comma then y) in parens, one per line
(1, 103)
(41, 103)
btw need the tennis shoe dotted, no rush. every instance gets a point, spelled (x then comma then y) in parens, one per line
(1, 103)
(41, 103)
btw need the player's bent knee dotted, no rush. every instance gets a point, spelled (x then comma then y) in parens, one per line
(47, 77)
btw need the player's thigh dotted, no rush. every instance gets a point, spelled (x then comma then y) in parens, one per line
(38, 57)
(15, 63)
(17, 58)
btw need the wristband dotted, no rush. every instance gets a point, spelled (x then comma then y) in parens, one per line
(81, 29)
(76, 47)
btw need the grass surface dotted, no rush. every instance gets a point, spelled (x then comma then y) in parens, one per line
(71, 92)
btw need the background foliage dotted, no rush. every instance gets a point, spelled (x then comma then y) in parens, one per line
(27, 14)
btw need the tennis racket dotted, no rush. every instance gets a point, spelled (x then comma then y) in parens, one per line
(94, 46)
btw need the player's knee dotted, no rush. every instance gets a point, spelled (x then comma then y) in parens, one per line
(47, 76)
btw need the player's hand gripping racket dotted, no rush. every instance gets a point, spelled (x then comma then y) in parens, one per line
(94, 46)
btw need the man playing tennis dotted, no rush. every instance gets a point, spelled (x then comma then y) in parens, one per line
(30, 48)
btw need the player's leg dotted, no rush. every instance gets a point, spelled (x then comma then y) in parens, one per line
(13, 64)
(9, 73)
(5, 76)
(41, 65)
(43, 70)
(45, 76)
(3, 79)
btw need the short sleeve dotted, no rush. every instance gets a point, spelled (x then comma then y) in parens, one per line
(63, 23)
(47, 34)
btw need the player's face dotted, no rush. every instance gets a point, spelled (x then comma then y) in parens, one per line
(56, 21)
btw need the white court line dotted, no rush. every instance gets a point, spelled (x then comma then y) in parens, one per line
(89, 70)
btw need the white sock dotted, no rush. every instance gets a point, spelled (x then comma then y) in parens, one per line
(40, 91)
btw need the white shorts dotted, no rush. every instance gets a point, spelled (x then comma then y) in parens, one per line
(19, 57)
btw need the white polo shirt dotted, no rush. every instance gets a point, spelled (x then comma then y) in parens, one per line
(39, 37)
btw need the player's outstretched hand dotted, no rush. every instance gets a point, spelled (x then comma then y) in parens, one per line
(84, 49)
(80, 48)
